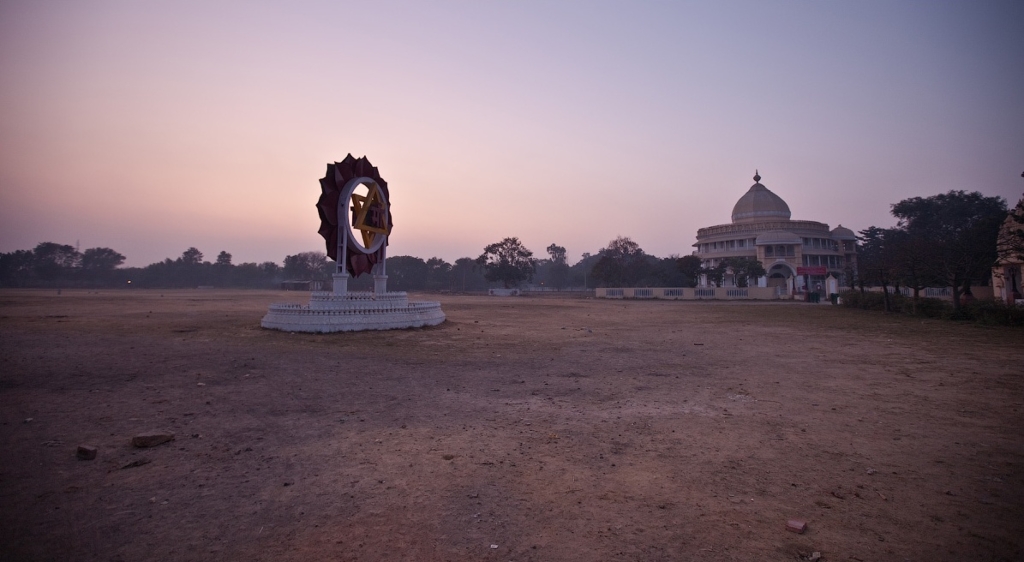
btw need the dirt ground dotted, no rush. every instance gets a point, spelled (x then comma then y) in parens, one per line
(521, 429)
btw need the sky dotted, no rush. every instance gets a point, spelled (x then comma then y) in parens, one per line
(150, 127)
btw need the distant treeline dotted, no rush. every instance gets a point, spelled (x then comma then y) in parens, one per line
(946, 240)
(60, 265)
(621, 263)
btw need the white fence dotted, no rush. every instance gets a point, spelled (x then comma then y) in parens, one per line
(692, 293)
(983, 293)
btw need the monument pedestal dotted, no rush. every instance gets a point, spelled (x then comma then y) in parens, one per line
(353, 311)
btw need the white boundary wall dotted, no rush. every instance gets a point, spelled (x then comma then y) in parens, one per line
(693, 293)
(945, 293)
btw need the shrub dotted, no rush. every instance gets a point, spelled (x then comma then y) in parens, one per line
(871, 300)
(932, 308)
(990, 313)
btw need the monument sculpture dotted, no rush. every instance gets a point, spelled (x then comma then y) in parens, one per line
(355, 221)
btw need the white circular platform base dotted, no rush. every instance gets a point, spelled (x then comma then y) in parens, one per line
(352, 312)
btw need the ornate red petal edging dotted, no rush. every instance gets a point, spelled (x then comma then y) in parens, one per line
(331, 185)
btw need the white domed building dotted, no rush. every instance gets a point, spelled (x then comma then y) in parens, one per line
(796, 254)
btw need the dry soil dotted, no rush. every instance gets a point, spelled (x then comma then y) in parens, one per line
(520, 429)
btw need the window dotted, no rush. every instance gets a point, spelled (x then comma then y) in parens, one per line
(768, 251)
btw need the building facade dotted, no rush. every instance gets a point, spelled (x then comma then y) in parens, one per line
(798, 255)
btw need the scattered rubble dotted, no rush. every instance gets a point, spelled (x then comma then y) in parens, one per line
(151, 439)
(796, 526)
(86, 453)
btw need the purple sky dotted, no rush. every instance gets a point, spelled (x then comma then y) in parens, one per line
(151, 127)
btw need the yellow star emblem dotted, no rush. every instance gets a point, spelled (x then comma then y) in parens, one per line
(370, 215)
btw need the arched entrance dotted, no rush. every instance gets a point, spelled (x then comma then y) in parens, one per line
(778, 273)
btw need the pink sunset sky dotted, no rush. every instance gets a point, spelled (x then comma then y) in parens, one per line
(152, 127)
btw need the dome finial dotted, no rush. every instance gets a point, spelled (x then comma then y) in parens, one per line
(757, 176)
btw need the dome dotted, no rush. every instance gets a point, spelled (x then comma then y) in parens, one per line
(759, 204)
(773, 237)
(842, 233)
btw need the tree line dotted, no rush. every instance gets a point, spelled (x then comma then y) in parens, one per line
(622, 263)
(947, 240)
(505, 263)
(50, 264)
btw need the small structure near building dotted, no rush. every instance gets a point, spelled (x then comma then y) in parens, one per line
(355, 221)
(1008, 272)
(302, 285)
(797, 255)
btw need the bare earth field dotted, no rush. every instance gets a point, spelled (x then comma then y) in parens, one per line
(521, 429)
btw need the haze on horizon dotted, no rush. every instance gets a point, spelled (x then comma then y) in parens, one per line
(152, 128)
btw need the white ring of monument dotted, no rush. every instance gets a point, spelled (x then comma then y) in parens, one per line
(343, 311)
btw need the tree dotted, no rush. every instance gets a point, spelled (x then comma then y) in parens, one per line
(622, 264)
(406, 273)
(964, 229)
(607, 273)
(663, 272)
(558, 270)
(877, 259)
(306, 266)
(914, 260)
(851, 276)
(715, 274)
(101, 259)
(690, 267)
(581, 272)
(52, 260)
(466, 276)
(16, 268)
(745, 268)
(223, 259)
(438, 274)
(508, 261)
(191, 256)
